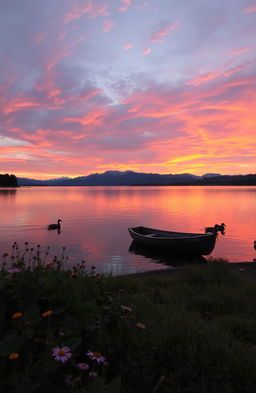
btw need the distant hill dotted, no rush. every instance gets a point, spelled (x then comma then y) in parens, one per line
(131, 178)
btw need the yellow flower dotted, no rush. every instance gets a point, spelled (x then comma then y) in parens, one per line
(17, 315)
(14, 356)
(47, 313)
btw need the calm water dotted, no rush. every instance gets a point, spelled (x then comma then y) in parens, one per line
(95, 221)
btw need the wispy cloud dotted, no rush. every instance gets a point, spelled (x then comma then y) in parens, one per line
(203, 78)
(238, 51)
(88, 8)
(146, 51)
(107, 25)
(159, 35)
(125, 5)
(128, 46)
(250, 8)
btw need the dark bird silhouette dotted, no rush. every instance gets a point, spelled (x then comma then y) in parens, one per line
(217, 228)
(55, 226)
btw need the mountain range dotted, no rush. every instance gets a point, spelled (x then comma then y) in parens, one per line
(131, 178)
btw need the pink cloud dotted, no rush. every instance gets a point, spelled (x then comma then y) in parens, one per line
(235, 69)
(125, 6)
(160, 34)
(227, 71)
(142, 5)
(146, 51)
(238, 51)
(128, 46)
(88, 8)
(203, 78)
(250, 8)
(107, 25)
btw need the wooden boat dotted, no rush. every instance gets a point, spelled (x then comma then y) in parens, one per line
(178, 242)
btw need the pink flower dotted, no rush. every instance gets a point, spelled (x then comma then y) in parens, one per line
(141, 326)
(96, 356)
(61, 354)
(93, 374)
(126, 308)
(83, 366)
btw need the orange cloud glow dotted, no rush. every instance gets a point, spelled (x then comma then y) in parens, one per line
(75, 100)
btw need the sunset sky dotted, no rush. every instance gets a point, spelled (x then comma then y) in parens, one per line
(166, 86)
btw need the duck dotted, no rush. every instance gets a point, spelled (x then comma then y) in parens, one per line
(220, 227)
(216, 228)
(55, 226)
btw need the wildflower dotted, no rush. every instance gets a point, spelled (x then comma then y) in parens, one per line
(47, 313)
(141, 326)
(14, 356)
(83, 366)
(61, 354)
(126, 308)
(14, 270)
(96, 356)
(17, 315)
(74, 275)
(93, 374)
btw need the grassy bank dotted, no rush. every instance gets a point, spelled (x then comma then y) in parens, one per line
(77, 331)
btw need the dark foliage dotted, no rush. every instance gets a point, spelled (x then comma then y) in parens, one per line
(8, 180)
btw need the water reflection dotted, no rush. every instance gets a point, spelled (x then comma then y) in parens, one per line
(165, 257)
(6, 192)
(96, 220)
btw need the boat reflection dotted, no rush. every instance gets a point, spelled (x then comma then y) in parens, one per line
(164, 256)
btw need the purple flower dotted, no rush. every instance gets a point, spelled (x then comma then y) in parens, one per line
(93, 374)
(61, 354)
(96, 356)
(83, 366)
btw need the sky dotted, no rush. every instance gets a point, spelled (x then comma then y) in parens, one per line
(162, 86)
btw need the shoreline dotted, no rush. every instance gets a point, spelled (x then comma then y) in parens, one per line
(246, 266)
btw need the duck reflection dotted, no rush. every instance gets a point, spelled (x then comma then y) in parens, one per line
(164, 256)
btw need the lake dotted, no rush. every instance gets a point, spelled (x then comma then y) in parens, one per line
(95, 222)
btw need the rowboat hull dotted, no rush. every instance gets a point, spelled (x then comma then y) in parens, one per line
(177, 242)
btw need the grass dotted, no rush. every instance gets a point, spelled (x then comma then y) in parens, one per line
(189, 332)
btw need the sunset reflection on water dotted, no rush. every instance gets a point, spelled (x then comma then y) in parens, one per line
(95, 221)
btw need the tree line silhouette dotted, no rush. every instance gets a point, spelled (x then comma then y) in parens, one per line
(8, 180)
